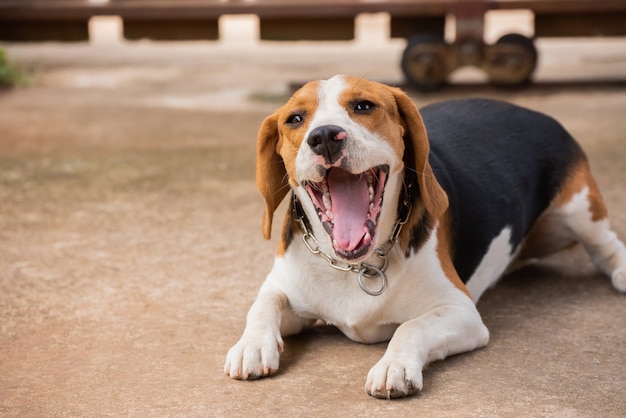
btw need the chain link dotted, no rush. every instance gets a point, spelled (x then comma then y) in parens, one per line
(363, 269)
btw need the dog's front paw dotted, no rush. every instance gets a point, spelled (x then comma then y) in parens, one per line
(254, 356)
(618, 279)
(394, 377)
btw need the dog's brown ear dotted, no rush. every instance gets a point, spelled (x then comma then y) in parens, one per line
(271, 176)
(432, 196)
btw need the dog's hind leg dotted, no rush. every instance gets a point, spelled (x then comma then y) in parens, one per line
(581, 209)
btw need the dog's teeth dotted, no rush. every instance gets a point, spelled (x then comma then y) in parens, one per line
(326, 200)
(329, 215)
(367, 238)
(371, 207)
(370, 190)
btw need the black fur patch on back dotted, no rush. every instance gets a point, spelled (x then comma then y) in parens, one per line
(501, 165)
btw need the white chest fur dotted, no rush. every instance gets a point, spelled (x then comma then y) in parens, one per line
(315, 290)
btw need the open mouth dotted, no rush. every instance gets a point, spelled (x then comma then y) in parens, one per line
(348, 206)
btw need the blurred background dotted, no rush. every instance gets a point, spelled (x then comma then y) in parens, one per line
(130, 244)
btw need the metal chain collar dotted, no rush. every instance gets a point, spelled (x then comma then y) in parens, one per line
(364, 270)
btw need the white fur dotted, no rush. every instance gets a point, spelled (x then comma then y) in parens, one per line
(493, 264)
(423, 314)
(561, 226)
(606, 250)
(418, 304)
(421, 311)
(365, 148)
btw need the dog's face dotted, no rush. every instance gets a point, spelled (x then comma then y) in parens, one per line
(343, 145)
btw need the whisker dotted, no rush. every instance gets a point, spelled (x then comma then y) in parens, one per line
(417, 172)
(281, 189)
(375, 173)
(315, 186)
(362, 78)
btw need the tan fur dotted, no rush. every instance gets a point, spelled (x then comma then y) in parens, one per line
(270, 171)
(548, 236)
(445, 258)
(581, 177)
(388, 123)
(428, 312)
(433, 198)
(277, 146)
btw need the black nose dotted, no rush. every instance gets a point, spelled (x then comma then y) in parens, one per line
(327, 141)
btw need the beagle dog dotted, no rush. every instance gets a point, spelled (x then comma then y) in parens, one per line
(400, 219)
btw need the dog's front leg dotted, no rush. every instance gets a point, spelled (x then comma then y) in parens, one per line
(257, 352)
(441, 332)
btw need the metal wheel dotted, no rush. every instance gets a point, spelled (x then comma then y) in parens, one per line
(424, 61)
(511, 60)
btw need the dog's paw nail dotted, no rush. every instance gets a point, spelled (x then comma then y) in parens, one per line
(236, 375)
(378, 392)
(393, 393)
(409, 385)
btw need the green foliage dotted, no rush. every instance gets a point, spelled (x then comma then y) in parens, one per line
(9, 75)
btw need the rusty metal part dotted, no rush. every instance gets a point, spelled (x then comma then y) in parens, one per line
(583, 24)
(193, 19)
(470, 19)
(428, 61)
(307, 29)
(406, 26)
(511, 60)
(425, 61)
(171, 29)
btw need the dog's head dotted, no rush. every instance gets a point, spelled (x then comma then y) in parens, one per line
(348, 148)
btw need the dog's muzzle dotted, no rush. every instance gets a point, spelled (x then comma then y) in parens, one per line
(348, 205)
(328, 141)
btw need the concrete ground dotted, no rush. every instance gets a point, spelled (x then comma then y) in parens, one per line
(130, 243)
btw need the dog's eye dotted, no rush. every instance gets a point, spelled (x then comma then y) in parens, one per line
(364, 106)
(295, 119)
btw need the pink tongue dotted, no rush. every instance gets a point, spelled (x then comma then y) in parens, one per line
(350, 204)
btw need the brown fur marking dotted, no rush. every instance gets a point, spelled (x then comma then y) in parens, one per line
(445, 258)
(581, 177)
